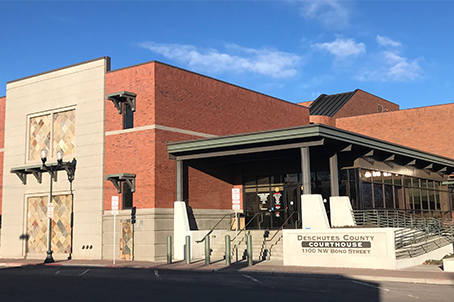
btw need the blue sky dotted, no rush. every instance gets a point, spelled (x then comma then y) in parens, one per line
(402, 51)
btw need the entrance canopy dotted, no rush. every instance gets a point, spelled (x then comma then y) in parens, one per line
(292, 157)
(323, 138)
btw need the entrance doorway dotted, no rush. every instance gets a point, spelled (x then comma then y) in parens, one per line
(271, 201)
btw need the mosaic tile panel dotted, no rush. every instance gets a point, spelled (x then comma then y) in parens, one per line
(126, 240)
(64, 132)
(61, 224)
(37, 224)
(40, 127)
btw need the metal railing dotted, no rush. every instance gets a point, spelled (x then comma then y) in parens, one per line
(247, 224)
(285, 223)
(415, 235)
(214, 227)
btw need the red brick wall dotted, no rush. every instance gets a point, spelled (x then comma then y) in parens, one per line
(131, 152)
(172, 97)
(193, 102)
(364, 103)
(204, 191)
(430, 129)
(321, 119)
(139, 80)
(190, 101)
(207, 192)
(165, 173)
(2, 145)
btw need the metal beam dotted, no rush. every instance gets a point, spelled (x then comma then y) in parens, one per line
(347, 149)
(250, 150)
(370, 153)
(411, 163)
(117, 184)
(118, 98)
(132, 184)
(117, 179)
(22, 176)
(38, 175)
(390, 158)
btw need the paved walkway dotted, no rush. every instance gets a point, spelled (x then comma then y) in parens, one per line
(426, 274)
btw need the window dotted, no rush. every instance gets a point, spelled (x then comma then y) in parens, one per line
(125, 102)
(128, 116)
(379, 108)
(53, 131)
(127, 196)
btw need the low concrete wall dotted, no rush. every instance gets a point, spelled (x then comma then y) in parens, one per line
(359, 248)
(198, 249)
(313, 212)
(196, 223)
(341, 212)
(448, 265)
(437, 254)
(205, 219)
(150, 234)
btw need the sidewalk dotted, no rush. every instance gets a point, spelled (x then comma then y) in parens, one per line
(424, 274)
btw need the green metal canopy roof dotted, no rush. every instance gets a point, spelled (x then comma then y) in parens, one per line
(279, 139)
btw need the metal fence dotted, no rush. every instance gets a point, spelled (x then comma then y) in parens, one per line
(415, 235)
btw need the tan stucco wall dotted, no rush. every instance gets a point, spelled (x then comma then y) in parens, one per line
(150, 233)
(82, 87)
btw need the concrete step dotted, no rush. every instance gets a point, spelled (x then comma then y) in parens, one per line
(262, 247)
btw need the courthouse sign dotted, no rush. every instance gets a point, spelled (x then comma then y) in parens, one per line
(364, 248)
(336, 244)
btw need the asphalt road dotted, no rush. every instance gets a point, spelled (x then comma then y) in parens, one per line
(61, 283)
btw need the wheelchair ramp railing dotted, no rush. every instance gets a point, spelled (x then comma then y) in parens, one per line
(415, 235)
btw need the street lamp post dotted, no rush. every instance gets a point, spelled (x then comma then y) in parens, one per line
(52, 170)
(70, 168)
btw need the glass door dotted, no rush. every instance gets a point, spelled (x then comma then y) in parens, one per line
(292, 201)
(269, 201)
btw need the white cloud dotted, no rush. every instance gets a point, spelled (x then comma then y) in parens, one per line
(268, 62)
(386, 41)
(401, 68)
(342, 48)
(331, 13)
(392, 67)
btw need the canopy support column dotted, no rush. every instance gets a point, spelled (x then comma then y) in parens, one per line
(180, 182)
(306, 170)
(334, 175)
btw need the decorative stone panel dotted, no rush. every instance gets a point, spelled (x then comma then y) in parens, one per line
(39, 136)
(64, 132)
(126, 241)
(37, 224)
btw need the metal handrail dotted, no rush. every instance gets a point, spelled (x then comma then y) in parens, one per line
(261, 220)
(212, 229)
(244, 228)
(416, 234)
(285, 222)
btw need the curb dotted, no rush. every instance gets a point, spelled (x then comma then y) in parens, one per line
(12, 264)
(402, 280)
(226, 270)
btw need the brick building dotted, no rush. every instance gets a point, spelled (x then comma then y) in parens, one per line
(152, 134)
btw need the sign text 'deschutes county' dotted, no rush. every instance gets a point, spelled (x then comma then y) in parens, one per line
(336, 244)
